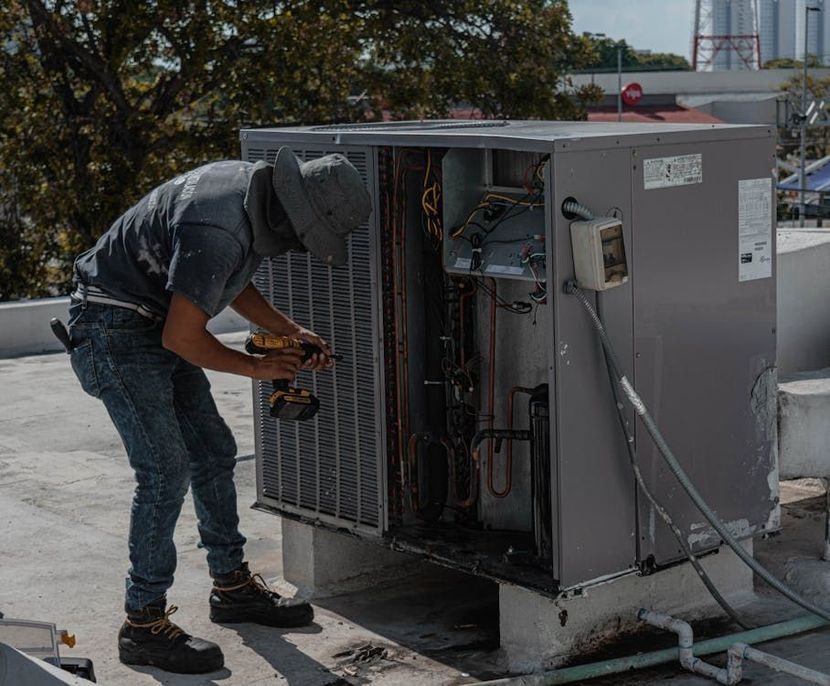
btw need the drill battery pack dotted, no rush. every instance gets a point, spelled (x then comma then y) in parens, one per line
(293, 403)
(286, 401)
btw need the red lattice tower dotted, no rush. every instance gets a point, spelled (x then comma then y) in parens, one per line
(707, 45)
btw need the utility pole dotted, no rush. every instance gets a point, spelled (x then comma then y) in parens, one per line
(802, 174)
(619, 83)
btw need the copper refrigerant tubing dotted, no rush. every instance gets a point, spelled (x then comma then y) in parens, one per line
(491, 399)
(508, 466)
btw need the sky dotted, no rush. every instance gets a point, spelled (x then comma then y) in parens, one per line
(657, 25)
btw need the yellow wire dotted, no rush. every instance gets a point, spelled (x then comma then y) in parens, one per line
(513, 201)
(429, 202)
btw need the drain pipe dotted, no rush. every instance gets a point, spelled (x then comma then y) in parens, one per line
(685, 649)
(737, 653)
(741, 651)
(620, 665)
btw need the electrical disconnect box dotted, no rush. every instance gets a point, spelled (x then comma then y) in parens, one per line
(470, 419)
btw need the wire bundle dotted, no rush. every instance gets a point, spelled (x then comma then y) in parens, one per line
(430, 199)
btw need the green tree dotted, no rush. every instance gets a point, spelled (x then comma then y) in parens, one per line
(818, 137)
(788, 63)
(606, 50)
(105, 98)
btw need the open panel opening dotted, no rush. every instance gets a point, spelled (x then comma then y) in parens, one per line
(466, 358)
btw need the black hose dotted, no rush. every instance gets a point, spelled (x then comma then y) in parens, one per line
(681, 476)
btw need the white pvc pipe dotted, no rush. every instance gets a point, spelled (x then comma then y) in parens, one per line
(742, 651)
(685, 643)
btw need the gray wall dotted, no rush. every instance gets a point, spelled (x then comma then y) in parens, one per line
(803, 300)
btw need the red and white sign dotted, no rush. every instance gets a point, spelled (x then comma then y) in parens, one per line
(632, 93)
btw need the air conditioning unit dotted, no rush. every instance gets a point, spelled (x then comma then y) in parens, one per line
(471, 419)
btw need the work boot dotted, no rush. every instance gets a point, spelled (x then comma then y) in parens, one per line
(148, 637)
(244, 597)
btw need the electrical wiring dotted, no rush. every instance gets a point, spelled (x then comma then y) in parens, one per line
(526, 202)
(516, 307)
(430, 198)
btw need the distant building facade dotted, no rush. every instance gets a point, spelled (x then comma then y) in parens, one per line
(732, 18)
(735, 97)
(779, 24)
(778, 29)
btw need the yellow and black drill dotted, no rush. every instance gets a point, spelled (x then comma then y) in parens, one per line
(287, 402)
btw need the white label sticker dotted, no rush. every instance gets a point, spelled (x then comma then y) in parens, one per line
(504, 269)
(754, 229)
(463, 263)
(681, 170)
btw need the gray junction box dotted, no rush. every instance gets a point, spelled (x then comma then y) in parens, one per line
(463, 210)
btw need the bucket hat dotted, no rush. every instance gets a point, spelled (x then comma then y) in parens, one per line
(325, 200)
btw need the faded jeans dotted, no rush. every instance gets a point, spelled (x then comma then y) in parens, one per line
(163, 410)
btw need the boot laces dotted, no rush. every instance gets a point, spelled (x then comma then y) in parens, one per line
(255, 581)
(162, 625)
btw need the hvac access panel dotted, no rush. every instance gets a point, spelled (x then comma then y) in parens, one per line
(704, 336)
(452, 320)
(493, 214)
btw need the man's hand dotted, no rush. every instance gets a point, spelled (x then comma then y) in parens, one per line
(278, 364)
(257, 310)
(316, 361)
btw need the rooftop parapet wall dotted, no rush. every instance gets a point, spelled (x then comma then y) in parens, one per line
(803, 300)
(24, 325)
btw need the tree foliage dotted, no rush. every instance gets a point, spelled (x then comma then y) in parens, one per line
(813, 62)
(818, 137)
(103, 99)
(606, 50)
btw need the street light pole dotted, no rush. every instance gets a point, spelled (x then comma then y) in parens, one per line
(802, 175)
(619, 83)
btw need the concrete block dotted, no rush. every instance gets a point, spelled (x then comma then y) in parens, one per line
(803, 305)
(804, 424)
(322, 563)
(541, 633)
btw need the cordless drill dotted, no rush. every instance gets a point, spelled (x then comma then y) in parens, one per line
(286, 401)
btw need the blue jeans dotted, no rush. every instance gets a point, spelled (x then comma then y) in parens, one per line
(163, 410)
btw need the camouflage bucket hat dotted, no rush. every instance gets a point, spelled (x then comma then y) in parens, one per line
(325, 200)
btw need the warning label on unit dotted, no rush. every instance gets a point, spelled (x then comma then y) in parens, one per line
(664, 172)
(504, 269)
(754, 229)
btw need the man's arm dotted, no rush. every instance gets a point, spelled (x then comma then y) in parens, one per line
(252, 306)
(257, 310)
(185, 334)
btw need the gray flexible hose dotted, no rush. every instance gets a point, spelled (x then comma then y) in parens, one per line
(573, 207)
(664, 515)
(681, 476)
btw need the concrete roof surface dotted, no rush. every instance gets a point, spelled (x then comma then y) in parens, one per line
(65, 491)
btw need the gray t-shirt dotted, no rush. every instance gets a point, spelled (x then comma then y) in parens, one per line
(191, 235)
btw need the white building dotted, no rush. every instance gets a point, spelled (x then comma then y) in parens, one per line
(779, 23)
(778, 29)
(732, 18)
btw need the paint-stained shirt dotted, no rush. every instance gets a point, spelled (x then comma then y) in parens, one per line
(191, 235)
